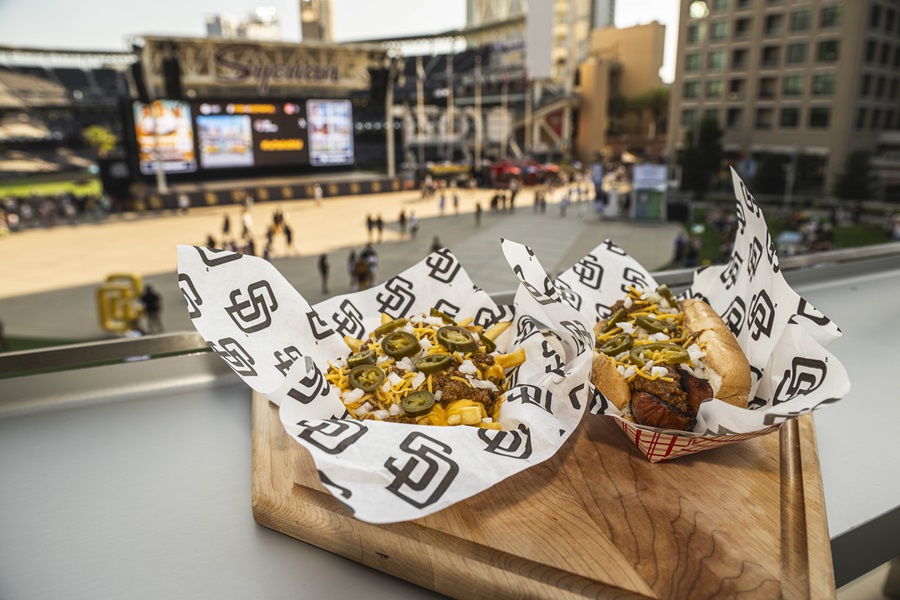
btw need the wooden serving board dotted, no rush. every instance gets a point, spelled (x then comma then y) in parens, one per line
(596, 520)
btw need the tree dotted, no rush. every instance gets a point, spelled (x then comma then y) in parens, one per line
(100, 139)
(855, 183)
(770, 174)
(656, 102)
(701, 157)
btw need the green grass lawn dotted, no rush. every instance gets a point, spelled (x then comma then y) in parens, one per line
(81, 185)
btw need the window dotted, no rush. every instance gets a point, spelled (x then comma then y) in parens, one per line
(736, 89)
(861, 115)
(774, 25)
(716, 60)
(875, 17)
(885, 53)
(733, 117)
(890, 20)
(879, 87)
(764, 118)
(721, 5)
(889, 119)
(823, 84)
(897, 57)
(830, 16)
(866, 86)
(793, 85)
(693, 62)
(768, 87)
(871, 50)
(818, 117)
(718, 31)
(688, 117)
(770, 56)
(739, 58)
(828, 51)
(892, 94)
(711, 114)
(696, 33)
(691, 89)
(742, 28)
(876, 118)
(715, 88)
(796, 53)
(801, 20)
(744, 4)
(790, 118)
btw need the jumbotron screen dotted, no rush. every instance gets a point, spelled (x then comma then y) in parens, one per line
(243, 135)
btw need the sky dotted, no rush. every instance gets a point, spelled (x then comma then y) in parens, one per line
(106, 24)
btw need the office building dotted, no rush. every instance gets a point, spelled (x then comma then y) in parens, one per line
(809, 81)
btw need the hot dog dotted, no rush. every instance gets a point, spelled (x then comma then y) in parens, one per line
(658, 359)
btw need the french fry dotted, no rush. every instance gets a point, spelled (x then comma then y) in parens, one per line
(385, 318)
(465, 322)
(496, 329)
(513, 359)
(354, 343)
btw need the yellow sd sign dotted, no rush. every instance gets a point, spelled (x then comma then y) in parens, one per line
(119, 301)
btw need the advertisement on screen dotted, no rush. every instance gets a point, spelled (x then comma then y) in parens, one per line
(330, 132)
(164, 126)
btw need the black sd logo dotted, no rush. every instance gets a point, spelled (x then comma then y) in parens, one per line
(311, 385)
(741, 218)
(612, 247)
(573, 396)
(447, 308)
(512, 444)
(568, 295)
(770, 252)
(190, 295)
(327, 482)
(548, 296)
(332, 437)
(443, 265)
(804, 377)
(211, 260)
(762, 315)
(487, 317)
(735, 316)
(284, 361)
(531, 394)
(439, 470)
(583, 339)
(603, 311)
(599, 402)
(554, 362)
(397, 297)
(750, 201)
(633, 278)
(254, 313)
(589, 272)
(349, 320)
(525, 328)
(808, 311)
(730, 275)
(234, 354)
(317, 326)
(756, 251)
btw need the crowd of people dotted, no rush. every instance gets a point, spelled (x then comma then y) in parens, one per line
(41, 210)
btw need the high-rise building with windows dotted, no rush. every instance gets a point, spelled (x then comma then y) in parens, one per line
(809, 81)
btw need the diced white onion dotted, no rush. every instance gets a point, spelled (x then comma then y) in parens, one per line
(426, 345)
(487, 420)
(394, 379)
(621, 369)
(468, 368)
(625, 326)
(381, 414)
(659, 372)
(405, 364)
(382, 358)
(354, 395)
(438, 395)
(364, 409)
(484, 384)
(660, 337)
(628, 302)
(649, 364)
(408, 328)
(417, 380)
(434, 321)
(686, 367)
(628, 372)
(695, 352)
(395, 410)
(620, 357)
(386, 386)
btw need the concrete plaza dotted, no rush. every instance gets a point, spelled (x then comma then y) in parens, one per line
(50, 276)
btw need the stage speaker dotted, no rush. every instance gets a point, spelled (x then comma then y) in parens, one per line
(172, 78)
(137, 75)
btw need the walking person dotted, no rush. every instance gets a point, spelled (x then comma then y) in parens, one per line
(323, 272)
(370, 225)
(401, 222)
(413, 225)
(226, 230)
(351, 271)
(152, 308)
(478, 214)
(455, 201)
(317, 194)
(436, 244)
(379, 225)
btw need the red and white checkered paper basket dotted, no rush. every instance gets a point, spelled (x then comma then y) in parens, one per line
(658, 446)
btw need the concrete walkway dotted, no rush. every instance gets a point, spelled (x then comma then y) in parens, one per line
(50, 276)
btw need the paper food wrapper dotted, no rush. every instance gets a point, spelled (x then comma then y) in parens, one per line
(387, 472)
(783, 336)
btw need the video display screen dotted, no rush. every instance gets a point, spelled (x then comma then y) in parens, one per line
(251, 134)
(330, 132)
(164, 125)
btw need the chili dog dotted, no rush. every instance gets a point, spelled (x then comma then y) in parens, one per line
(658, 359)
